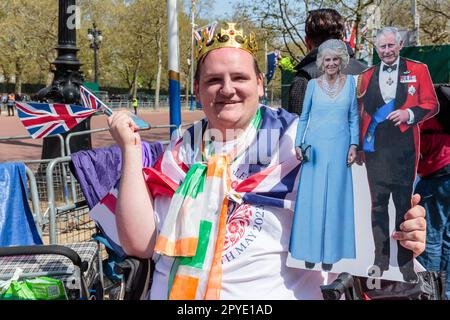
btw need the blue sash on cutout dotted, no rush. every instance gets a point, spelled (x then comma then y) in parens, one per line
(377, 118)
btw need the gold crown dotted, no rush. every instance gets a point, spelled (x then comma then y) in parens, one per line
(227, 38)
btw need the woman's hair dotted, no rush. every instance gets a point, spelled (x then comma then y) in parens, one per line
(333, 47)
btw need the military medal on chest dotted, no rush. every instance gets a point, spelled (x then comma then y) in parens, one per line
(389, 80)
(411, 90)
(408, 79)
(389, 70)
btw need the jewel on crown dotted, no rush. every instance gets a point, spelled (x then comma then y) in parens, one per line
(227, 38)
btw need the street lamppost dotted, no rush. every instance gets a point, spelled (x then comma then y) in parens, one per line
(95, 37)
(65, 87)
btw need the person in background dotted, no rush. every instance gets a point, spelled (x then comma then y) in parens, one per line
(434, 187)
(10, 104)
(135, 105)
(320, 25)
(4, 102)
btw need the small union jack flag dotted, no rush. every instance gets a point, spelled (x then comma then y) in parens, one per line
(350, 33)
(44, 119)
(206, 32)
(88, 100)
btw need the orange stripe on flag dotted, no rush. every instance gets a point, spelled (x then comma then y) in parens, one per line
(183, 288)
(215, 275)
(214, 285)
(216, 165)
(186, 247)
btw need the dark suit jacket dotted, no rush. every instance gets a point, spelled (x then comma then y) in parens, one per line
(414, 91)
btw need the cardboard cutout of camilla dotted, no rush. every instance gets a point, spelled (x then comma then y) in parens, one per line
(345, 216)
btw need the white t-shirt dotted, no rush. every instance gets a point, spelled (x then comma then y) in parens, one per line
(255, 251)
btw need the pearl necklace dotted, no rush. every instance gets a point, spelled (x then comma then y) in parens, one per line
(332, 90)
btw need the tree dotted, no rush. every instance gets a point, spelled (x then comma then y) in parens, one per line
(281, 18)
(159, 38)
(434, 19)
(26, 33)
(357, 11)
(133, 53)
(286, 19)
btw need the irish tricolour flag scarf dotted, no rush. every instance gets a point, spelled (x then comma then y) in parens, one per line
(199, 181)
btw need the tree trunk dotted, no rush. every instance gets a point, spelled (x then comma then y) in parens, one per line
(158, 74)
(358, 40)
(50, 74)
(50, 77)
(129, 81)
(135, 80)
(359, 13)
(19, 71)
(6, 82)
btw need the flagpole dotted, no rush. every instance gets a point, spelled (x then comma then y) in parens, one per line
(174, 73)
(140, 123)
(192, 54)
(416, 18)
(265, 74)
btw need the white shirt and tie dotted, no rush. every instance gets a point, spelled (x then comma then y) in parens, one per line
(388, 79)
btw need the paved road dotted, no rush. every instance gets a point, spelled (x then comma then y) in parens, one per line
(29, 149)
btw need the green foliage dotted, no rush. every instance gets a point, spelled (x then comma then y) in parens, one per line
(285, 64)
(133, 53)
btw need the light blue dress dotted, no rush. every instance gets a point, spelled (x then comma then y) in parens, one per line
(323, 228)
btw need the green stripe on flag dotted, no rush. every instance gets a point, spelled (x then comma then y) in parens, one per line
(173, 272)
(256, 121)
(200, 255)
(202, 246)
(194, 182)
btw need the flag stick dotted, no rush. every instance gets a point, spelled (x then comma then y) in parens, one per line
(140, 123)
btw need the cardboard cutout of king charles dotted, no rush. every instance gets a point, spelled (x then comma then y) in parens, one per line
(391, 152)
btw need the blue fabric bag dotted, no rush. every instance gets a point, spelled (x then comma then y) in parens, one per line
(17, 227)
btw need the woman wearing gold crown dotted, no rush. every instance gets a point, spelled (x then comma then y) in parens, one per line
(215, 212)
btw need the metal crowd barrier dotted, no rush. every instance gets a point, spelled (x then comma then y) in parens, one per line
(59, 207)
(31, 179)
(36, 173)
(74, 191)
(59, 216)
(60, 137)
(163, 104)
(39, 169)
(68, 222)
